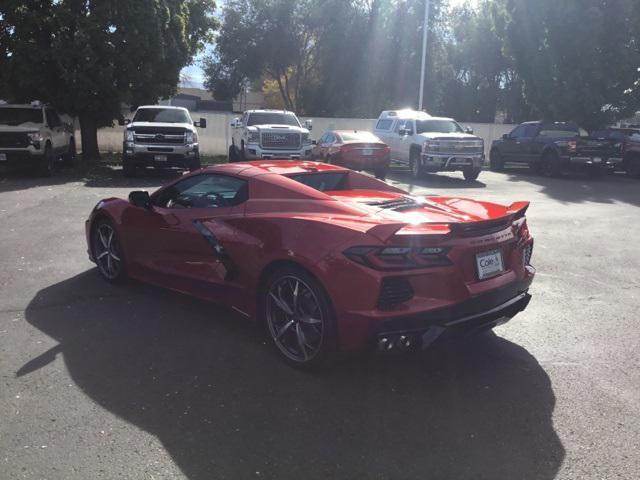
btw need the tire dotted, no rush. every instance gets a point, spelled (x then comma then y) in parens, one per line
(471, 174)
(195, 165)
(302, 331)
(496, 163)
(632, 166)
(70, 156)
(550, 165)
(233, 155)
(243, 155)
(107, 252)
(381, 174)
(414, 165)
(47, 163)
(128, 167)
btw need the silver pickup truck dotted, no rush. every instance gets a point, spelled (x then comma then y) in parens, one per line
(34, 137)
(160, 137)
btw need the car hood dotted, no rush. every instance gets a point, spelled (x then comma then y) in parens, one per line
(277, 128)
(448, 136)
(22, 128)
(186, 126)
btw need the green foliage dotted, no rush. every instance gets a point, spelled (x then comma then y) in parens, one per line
(89, 57)
(578, 59)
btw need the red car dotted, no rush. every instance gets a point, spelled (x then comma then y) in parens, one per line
(329, 259)
(355, 150)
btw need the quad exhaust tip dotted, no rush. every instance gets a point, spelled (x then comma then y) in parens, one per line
(395, 343)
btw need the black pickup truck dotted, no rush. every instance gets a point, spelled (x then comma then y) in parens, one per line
(550, 148)
(618, 147)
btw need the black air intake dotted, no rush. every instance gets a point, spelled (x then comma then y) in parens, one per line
(394, 291)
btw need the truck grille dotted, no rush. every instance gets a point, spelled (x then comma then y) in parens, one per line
(281, 140)
(13, 140)
(455, 147)
(159, 135)
(394, 291)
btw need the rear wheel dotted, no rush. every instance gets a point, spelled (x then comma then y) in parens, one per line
(107, 252)
(381, 173)
(299, 317)
(45, 169)
(414, 164)
(550, 165)
(471, 173)
(632, 166)
(496, 163)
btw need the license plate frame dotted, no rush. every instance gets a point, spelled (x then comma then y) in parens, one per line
(160, 158)
(3, 157)
(489, 264)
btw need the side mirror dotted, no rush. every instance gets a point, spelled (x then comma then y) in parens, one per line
(405, 131)
(314, 142)
(506, 136)
(308, 124)
(469, 130)
(202, 123)
(140, 198)
(235, 123)
(123, 121)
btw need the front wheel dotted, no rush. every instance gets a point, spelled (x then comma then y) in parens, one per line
(495, 161)
(471, 174)
(195, 165)
(550, 165)
(414, 164)
(45, 169)
(107, 252)
(128, 167)
(299, 318)
(233, 155)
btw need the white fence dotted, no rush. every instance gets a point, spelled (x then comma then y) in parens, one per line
(215, 139)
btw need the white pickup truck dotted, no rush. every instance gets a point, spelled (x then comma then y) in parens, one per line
(269, 134)
(430, 144)
(34, 137)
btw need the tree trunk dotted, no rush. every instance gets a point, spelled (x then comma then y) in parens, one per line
(89, 134)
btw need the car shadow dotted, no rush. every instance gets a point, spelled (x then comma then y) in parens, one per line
(440, 180)
(579, 188)
(209, 388)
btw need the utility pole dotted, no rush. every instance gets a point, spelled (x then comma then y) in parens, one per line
(424, 52)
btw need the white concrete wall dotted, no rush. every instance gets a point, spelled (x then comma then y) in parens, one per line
(215, 139)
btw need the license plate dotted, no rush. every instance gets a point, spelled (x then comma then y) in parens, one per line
(367, 151)
(489, 264)
(160, 158)
(461, 161)
(3, 157)
(597, 160)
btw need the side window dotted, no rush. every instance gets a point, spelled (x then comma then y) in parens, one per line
(204, 191)
(399, 126)
(530, 131)
(518, 132)
(331, 138)
(384, 124)
(323, 139)
(52, 118)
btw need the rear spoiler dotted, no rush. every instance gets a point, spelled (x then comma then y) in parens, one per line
(517, 209)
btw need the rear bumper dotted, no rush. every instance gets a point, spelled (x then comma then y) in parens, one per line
(583, 161)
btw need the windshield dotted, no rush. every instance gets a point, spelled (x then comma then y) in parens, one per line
(438, 126)
(269, 118)
(324, 182)
(18, 116)
(162, 115)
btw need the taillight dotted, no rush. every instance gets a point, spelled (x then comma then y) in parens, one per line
(398, 258)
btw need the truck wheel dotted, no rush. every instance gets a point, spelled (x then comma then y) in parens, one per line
(632, 166)
(233, 155)
(381, 173)
(243, 155)
(70, 156)
(128, 167)
(550, 165)
(471, 174)
(496, 163)
(195, 165)
(414, 164)
(45, 169)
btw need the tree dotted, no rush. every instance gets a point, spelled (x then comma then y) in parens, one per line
(577, 59)
(89, 57)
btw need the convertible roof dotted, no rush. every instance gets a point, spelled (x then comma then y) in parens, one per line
(281, 167)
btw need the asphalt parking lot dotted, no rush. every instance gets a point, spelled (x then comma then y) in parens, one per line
(132, 382)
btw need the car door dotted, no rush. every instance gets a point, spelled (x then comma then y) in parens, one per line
(405, 141)
(182, 240)
(530, 146)
(395, 140)
(510, 150)
(58, 138)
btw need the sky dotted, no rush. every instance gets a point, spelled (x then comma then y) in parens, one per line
(194, 75)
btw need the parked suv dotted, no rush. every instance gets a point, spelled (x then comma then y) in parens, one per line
(34, 137)
(430, 144)
(269, 134)
(549, 148)
(160, 137)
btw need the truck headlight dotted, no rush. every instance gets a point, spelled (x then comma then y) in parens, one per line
(305, 139)
(35, 138)
(128, 135)
(253, 137)
(191, 137)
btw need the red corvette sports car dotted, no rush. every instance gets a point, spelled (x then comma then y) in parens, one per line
(329, 259)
